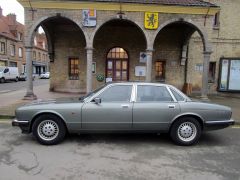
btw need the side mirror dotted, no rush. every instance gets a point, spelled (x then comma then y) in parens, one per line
(97, 100)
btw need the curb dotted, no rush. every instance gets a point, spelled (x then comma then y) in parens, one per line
(6, 117)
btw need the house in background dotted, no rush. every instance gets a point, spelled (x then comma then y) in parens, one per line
(40, 54)
(12, 51)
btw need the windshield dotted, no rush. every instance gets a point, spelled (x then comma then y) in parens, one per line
(92, 93)
(2, 69)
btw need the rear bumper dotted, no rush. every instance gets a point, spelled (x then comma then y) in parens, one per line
(214, 125)
(24, 125)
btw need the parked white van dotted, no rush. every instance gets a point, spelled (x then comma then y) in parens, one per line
(8, 73)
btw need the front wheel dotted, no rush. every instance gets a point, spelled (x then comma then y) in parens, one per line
(186, 131)
(16, 79)
(49, 130)
(2, 80)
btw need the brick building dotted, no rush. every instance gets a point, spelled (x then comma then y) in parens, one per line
(11, 41)
(40, 54)
(91, 42)
(12, 49)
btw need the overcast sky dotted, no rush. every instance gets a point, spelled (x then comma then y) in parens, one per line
(12, 6)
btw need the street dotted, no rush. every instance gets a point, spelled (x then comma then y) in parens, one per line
(10, 86)
(119, 156)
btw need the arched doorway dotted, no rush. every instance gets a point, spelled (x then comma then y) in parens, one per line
(117, 65)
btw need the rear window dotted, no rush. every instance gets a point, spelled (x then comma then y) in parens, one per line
(177, 95)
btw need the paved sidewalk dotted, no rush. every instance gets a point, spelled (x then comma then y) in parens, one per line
(8, 106)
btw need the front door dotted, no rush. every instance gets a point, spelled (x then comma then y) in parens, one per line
(117, 65)
(113, 113)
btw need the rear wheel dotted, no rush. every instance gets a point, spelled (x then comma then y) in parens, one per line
(186, 131)
(49, 129)
(16, 79)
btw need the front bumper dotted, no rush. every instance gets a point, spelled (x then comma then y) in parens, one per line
(24, 125)
(214, 125)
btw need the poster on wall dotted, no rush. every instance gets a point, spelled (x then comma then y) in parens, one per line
(140, 71)
(224, 75)
(234, 76)
(89, 18)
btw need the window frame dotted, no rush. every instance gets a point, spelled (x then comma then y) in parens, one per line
(132, 98)
(3, 46)
(12, 50)
(131, 86)
(216, 20)
(20, 49)
(159, 78)
(213, 72)
(167, 88)
(70, 75)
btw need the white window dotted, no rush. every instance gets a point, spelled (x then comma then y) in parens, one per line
(2, 48)
(19, 36)
(20, 52)
(12, 50)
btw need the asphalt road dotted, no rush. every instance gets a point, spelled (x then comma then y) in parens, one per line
(10, 86)
(119, 156)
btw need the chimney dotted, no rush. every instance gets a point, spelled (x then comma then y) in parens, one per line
(12, 19)
(1, 12)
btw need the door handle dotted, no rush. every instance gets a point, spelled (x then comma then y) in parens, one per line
(125, 106)
(171, 106)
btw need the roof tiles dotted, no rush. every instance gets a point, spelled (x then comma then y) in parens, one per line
(164, 2)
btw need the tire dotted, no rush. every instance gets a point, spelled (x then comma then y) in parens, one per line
(186, 131)
(2, 80)
(16, 79)
(49, 129)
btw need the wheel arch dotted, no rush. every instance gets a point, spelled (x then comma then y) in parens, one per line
(195, 116)
(48, 113)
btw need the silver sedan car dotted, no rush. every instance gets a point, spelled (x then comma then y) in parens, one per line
(124, 107)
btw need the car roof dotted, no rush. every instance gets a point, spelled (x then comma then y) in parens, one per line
(139, 83)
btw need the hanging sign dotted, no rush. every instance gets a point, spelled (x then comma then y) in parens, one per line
(151, 20)
(143, 57)
(89, 18)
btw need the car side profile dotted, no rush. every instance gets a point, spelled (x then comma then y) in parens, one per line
(124, 107)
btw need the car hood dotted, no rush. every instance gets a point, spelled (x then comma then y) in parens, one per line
(53, 101)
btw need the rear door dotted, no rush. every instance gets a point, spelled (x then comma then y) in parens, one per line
(154, 108)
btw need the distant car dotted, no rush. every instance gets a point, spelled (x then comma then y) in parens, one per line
(8, 73)
(23, 77)
(124, 107)
(45, 75)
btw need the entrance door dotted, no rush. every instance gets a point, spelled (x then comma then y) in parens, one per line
(117, 65)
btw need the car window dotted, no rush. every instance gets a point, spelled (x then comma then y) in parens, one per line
(177, 95)
(153, 94)
(6, 70)
(117, 93)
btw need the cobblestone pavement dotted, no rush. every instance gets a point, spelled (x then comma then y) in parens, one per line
(119, 156)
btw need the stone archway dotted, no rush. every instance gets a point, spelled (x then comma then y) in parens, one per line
(190, 28)
(119, 33)
(51, 26)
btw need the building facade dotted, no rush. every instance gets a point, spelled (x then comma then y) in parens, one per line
(11, 41)
(224, 71)
(40, 54)
(93, 42)
(12, 49)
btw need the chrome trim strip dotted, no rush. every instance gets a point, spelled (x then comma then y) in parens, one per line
(220, 122)
(17, 121)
